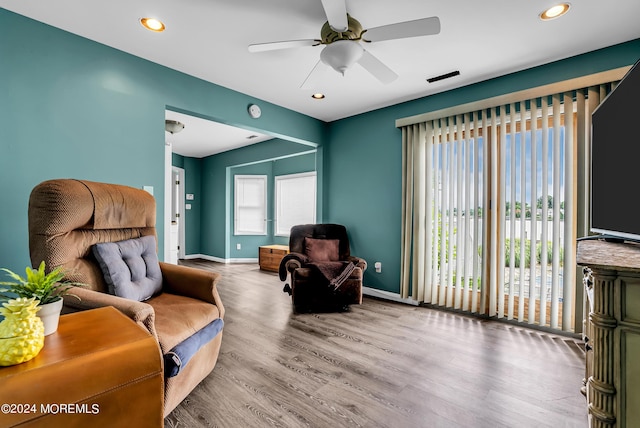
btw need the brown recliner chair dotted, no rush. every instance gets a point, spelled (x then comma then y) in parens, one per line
(324, 274)
(68, 217)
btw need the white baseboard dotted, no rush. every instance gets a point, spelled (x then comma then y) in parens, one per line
(204, 256)
(248, 260)
(219, 259)
(367, 291)
(387, 295)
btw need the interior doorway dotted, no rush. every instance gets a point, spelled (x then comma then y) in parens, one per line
(198, 138)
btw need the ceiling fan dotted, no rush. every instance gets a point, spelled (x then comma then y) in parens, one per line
(343, 37)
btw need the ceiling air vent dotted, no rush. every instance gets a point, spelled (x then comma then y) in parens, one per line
(443, 76)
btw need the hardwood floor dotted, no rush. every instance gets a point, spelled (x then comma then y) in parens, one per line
(381, 364)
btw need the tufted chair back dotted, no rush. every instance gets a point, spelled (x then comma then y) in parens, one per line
(67, 217)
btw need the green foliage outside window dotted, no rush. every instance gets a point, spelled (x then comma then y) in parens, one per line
(527, 253)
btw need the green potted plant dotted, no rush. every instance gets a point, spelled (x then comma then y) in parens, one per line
(47, 288)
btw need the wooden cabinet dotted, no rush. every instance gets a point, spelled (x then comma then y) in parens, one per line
(98, 369)
(612, 332)
(269, 256)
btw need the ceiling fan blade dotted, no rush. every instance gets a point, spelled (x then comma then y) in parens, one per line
(374, 66)
(402, 30)
(336, 11)
(316, 75)
(272, 46)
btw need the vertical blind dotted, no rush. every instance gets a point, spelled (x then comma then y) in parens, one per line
(493, 200)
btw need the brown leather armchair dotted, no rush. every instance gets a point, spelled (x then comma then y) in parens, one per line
(67, 217)
(324, 275)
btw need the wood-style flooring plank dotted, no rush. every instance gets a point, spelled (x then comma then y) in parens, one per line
(380, 364)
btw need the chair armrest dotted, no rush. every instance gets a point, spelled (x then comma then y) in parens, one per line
(191, 282)
(361, 263)
(140, 312)
(291, 262)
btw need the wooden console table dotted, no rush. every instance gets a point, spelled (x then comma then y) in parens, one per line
(98, 369)
(612, 332)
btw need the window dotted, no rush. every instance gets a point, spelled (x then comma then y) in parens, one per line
(250, 207)
(295, 201)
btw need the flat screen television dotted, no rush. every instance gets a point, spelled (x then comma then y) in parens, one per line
(615, 161)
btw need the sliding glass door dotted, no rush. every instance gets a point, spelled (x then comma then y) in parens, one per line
(493, 200)
(500, 174)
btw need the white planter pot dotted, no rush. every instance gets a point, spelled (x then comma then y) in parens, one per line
(50, 314)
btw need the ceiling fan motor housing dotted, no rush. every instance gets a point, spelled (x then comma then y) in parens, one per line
(354, 32)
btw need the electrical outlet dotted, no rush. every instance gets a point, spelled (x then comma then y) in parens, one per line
(378, 266)
(238, 246)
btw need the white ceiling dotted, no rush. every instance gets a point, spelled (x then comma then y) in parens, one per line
(202, 137)
(209, 38)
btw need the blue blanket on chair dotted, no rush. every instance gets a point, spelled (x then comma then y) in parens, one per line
(179, 356)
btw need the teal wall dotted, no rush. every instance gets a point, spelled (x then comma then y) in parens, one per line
(177, 160)
(249, 243)
(217, 191)
(273, 168)
(217, 239)
(70, 107)
(363, 157)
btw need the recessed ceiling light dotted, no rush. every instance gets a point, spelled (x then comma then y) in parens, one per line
(152, 24)
(317, 96)
(555, 11)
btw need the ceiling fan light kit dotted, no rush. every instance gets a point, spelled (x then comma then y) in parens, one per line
(344, 43)
(341, 54)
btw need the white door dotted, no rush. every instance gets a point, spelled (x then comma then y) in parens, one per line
(174, 240)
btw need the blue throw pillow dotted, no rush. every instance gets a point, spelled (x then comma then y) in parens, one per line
(130, 268)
